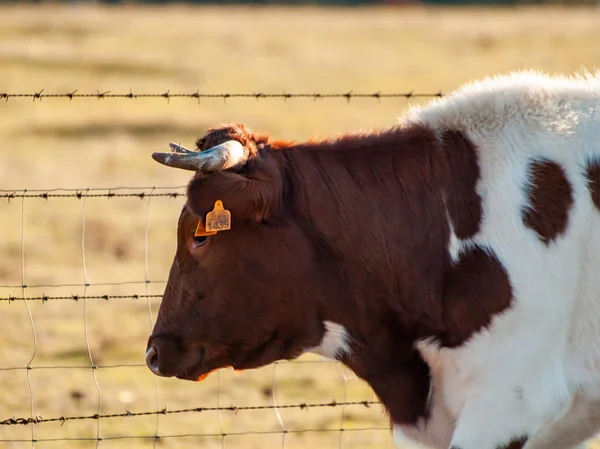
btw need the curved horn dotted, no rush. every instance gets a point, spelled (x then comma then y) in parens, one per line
(220, 157)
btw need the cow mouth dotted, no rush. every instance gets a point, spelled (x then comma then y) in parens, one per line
(236, 358)
(203, 367)
(199, 372)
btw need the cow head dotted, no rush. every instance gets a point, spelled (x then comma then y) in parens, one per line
(243, 297)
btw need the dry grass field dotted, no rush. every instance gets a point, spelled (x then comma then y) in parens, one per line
(107, 143)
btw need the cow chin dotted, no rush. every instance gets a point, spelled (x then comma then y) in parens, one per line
(269, 351)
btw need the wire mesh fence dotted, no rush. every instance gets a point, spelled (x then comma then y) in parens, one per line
(32, 423)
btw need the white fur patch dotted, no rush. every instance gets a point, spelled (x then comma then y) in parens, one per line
(335, 342)
(403, 441)
(453, 244)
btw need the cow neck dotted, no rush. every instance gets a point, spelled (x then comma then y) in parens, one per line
(373, 209)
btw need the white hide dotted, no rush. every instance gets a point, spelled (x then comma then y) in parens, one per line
(523, 371)
(335, 342)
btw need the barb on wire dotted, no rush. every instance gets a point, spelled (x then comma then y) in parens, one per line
(302, 406)
(224, 96)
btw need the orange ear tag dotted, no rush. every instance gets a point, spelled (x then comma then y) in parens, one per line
(218, 219)
(201, 231)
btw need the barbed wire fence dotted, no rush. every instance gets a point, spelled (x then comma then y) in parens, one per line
(18, 197)
(348, 96)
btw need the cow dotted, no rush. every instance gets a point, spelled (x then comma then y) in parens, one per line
(451, 260)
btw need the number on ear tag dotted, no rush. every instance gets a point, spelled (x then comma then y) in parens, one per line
(219, 219)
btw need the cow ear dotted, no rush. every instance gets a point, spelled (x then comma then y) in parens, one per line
(253, 193)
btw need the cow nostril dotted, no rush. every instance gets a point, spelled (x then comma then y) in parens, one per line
(152, 360)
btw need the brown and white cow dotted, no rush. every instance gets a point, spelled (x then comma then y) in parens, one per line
(451, 261)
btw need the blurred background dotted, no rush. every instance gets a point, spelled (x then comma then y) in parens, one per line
(97, 245)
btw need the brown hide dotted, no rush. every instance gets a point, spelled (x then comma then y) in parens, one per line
(593, 175)
(550, 197)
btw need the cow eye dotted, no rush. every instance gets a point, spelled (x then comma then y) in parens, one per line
(200, 240)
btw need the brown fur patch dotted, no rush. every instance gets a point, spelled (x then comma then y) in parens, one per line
(550, 196)
(516, 443)
(237, 131)
(475, 289)
(461, 176)
(593, 175)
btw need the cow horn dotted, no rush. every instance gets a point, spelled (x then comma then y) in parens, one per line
(220, 157)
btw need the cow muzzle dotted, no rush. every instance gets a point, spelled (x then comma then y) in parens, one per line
(166, 357)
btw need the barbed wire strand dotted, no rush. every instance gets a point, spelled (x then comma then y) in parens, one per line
(85, 317)
(79, 195)
(29, 314)
(203, 435)
(150, 318)
(232, 408)
(94, 189)
(348, 96)
(74, 297)
(106, 192)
